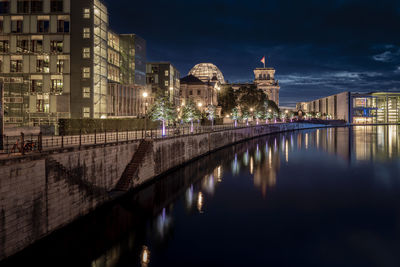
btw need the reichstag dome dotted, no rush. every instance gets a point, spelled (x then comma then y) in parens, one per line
(206, 72)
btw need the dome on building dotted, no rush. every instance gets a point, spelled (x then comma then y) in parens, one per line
(207, 72)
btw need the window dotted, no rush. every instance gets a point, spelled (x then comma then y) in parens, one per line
(56, 86)
(86, 92)
(56, 46)
(42, 65)
(42, 103)
(198, 92)
(56, 6)
(166, 83)
(4, 46)
(86, 112)
(86, 52)
(16, 66)
(22, 46)
(43, 26)
(62, 26)
(37, 46)
(16, 26)
(23, 6)
(86, 13)
(37, 6)
(86, 33)
(190, 92)
(36, 86)
(166, 73)
(1, 26)
(1, 66)
(86, 73)
(4, 7)
(60, 65)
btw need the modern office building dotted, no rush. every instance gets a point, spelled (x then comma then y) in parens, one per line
(357, 108)
(54, 62)
(164, 78)
(126, 74)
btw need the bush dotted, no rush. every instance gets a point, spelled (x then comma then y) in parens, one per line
(87, 126)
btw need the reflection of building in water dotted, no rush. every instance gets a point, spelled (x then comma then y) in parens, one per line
(265, 171)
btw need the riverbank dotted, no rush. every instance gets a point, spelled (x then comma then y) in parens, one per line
(43, 192)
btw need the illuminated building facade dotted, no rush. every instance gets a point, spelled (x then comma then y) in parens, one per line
(265, 80)
(199, 92)
(357, 108)
(207, 72)
(54, 61)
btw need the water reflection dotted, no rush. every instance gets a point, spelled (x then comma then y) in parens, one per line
(163, 219)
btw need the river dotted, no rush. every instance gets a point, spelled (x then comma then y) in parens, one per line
(327, 197)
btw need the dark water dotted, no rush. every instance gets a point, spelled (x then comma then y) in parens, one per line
(326, 197)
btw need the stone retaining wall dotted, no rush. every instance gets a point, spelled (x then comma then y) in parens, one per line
(41, 193)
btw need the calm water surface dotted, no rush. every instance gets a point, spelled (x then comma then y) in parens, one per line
(326, 197)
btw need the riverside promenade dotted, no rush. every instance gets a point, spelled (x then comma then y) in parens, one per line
(41, 192)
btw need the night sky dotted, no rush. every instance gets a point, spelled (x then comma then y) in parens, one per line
(318, 47)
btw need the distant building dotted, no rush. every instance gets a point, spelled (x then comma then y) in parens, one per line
(207, 72)
(165, 78)
(357, 108)
(200, 92)
(265, 80)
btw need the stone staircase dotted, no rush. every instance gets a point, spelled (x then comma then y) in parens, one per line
(132, 170)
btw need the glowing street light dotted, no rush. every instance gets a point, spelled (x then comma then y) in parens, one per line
(145, 95)
(200, 104)
(145, 259)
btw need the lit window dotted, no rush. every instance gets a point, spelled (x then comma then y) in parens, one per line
(166, 83)
(86, 52)
(56, 86)
(86, 72)
(86, 33)
(86, 13)
(86, 112)
(16, 66)
(86, 92)
(166, 73)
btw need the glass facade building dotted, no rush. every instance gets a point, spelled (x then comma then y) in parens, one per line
(206, 72)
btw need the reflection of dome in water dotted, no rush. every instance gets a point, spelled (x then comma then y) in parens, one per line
(206, 72)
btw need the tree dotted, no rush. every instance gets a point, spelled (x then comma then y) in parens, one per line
(190, 113)
(246, 115)
(163, 110)
(227, 99)
(235, 115)
(211, 114)
(259, 114)
(250, 97)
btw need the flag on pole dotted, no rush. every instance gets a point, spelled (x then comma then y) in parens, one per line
(263, 60)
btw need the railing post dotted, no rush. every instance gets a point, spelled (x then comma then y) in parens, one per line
(22, 144)
(62, 140)
(105, 136)
(8, 145)
(40, 142)
(117, 136)
(95, 137)
(127, 135)
(80, 138)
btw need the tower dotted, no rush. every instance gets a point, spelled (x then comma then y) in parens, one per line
(265, 80)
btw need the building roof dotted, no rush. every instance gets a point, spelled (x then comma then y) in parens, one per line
(190, 79)
(206, 72)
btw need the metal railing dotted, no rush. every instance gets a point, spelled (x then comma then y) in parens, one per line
(25, 144)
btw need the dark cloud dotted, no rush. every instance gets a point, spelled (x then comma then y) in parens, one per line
(318, 47)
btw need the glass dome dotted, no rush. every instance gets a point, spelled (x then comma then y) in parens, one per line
(206, 72)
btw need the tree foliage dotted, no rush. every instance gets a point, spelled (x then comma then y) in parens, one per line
(211, 110)
(227, 99)
(250, 97)
(162, 110)
(190, 112)
(235, 114)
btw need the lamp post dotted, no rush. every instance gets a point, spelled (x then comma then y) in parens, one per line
(145, 95)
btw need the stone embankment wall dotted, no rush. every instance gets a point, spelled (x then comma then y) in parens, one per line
(41, 193)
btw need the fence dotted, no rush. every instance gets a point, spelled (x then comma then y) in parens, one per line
(25, 144)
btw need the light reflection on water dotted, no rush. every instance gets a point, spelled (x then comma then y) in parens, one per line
(326, 197)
